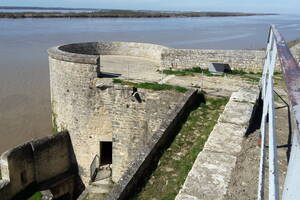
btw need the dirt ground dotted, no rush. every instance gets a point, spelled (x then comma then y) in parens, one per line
(244, 183)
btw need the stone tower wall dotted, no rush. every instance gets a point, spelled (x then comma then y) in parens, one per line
(109, 112)
(73, 103)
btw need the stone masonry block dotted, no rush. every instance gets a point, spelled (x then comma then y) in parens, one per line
(209, 177)
(226, 138)
(249, 95)
(237, 113)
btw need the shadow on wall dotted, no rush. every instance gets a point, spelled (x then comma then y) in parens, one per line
(47, 163)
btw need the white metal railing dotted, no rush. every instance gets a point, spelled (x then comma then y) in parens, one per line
(277, 47)
(268, 128)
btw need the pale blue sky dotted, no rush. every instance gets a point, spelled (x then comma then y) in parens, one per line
(278, 6)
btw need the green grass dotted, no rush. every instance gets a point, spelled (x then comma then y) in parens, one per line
(191, 71)
(151, 86)
(36, 196)
(248, 76)
(251, 78)
(186, 72)
(175, 163)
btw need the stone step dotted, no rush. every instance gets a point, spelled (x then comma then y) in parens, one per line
(101, 189)
(101, 186)
(96, 196)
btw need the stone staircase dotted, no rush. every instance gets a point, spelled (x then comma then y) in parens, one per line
(99, 189)
(102, 184)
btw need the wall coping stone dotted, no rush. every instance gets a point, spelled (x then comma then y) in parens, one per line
(58, 54)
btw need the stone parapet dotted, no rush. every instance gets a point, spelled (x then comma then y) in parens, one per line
(47, 163)
(247, 60)
(212, 170)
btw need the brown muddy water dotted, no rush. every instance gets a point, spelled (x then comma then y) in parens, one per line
(24, 76)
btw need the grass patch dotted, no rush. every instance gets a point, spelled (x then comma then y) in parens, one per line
(151, 86)
(191, 71)
(277, 73)
(186, 72)
(36, 196)
(251, 78)
(175, 163)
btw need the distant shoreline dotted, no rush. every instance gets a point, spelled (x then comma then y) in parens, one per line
(121, 14)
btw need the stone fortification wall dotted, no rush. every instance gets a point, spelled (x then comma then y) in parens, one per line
(149, 154)
(93, 113)
(246, 60)
(150, 51)
(47, 163)
(134, 122)
(93, 109)
(71, 77)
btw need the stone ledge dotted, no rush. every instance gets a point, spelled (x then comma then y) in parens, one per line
(237, 113)
(226, 138)
(58, 54)
(211, 173)
(248, 95)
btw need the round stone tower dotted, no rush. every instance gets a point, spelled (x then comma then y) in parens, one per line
(73, 69)
(108, 126)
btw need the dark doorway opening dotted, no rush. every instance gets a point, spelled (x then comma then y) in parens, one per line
(105, 153)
